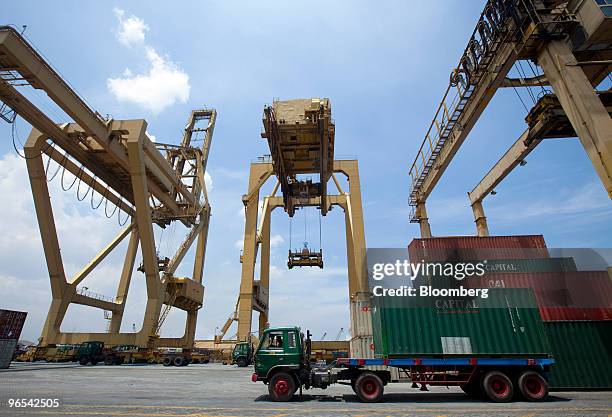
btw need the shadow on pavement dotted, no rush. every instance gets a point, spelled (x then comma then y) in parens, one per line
(401, 398)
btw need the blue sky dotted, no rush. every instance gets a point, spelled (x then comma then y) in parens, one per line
(384, 65)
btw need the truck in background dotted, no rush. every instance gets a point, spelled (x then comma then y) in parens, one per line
(242, 355)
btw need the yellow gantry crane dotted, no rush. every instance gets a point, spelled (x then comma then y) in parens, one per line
(118, 163)
(300, 135)
(571, 41)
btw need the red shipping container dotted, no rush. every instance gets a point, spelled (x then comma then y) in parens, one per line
(580, 295)
(475, 247)
(575, 314)
(11, 323)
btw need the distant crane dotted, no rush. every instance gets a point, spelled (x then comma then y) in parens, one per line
(339, 333)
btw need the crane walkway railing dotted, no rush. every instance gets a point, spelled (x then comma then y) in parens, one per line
(501, 25)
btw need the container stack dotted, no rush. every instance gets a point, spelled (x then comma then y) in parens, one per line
(11, 324)
(576, 306)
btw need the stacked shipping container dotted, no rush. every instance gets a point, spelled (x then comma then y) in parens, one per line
(506, 323)
(576, 306)
(11, 323)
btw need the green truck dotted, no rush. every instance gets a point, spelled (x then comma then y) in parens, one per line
(282, 361)
(494, 347)
(90, 352)
(242, 355)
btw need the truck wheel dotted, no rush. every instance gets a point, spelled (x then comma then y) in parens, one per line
(281, 387)
(532, 386)
(109, 360)
(178, 361)
(241, 362)
(498, 387)
(83, 361)
(167, 361)
(369, 387)
(94, 361)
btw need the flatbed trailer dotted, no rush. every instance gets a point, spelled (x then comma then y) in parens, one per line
(282, 361)
(449, 361)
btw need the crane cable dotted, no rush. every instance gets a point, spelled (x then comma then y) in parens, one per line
(15, 138)
(290, 227)
(305, 241)
(320, 234)
(78, 179)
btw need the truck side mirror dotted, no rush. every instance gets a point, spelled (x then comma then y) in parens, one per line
(308, 344)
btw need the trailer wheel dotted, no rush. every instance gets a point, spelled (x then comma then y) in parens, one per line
(533, 386)
(83, 361)
(94, 361)
(498, 387)
(282, 386)
(178, 361)
(369, 387)
(109, 360)
(118, 360)
(167, 361)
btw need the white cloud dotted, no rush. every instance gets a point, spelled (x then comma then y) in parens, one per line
(276, 240)
(162, 85)
(131, 29)
(208, 181)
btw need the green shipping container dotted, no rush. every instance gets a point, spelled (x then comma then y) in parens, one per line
(506, 323)
(583, 354)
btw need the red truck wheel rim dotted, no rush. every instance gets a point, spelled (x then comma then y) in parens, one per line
(534, 386)
(499, 387)
(370, 388)
(281, 387)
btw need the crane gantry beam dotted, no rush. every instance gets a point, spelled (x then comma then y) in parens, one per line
(151, 183)
(20, 61)
(507, 31)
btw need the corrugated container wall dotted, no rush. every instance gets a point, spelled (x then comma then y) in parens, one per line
(402, 326)
(580, 295)
(583, 354)
(11, 323)
(474, 247)
(7, 349)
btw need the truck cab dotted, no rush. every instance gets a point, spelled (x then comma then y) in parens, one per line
(90, 352)
(280, 348)
(242, 355)
(282, 361)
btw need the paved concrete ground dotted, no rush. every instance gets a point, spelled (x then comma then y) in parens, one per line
(217, 390)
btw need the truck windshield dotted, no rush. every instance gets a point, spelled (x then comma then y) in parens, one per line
(291, 339)
(274, 340)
